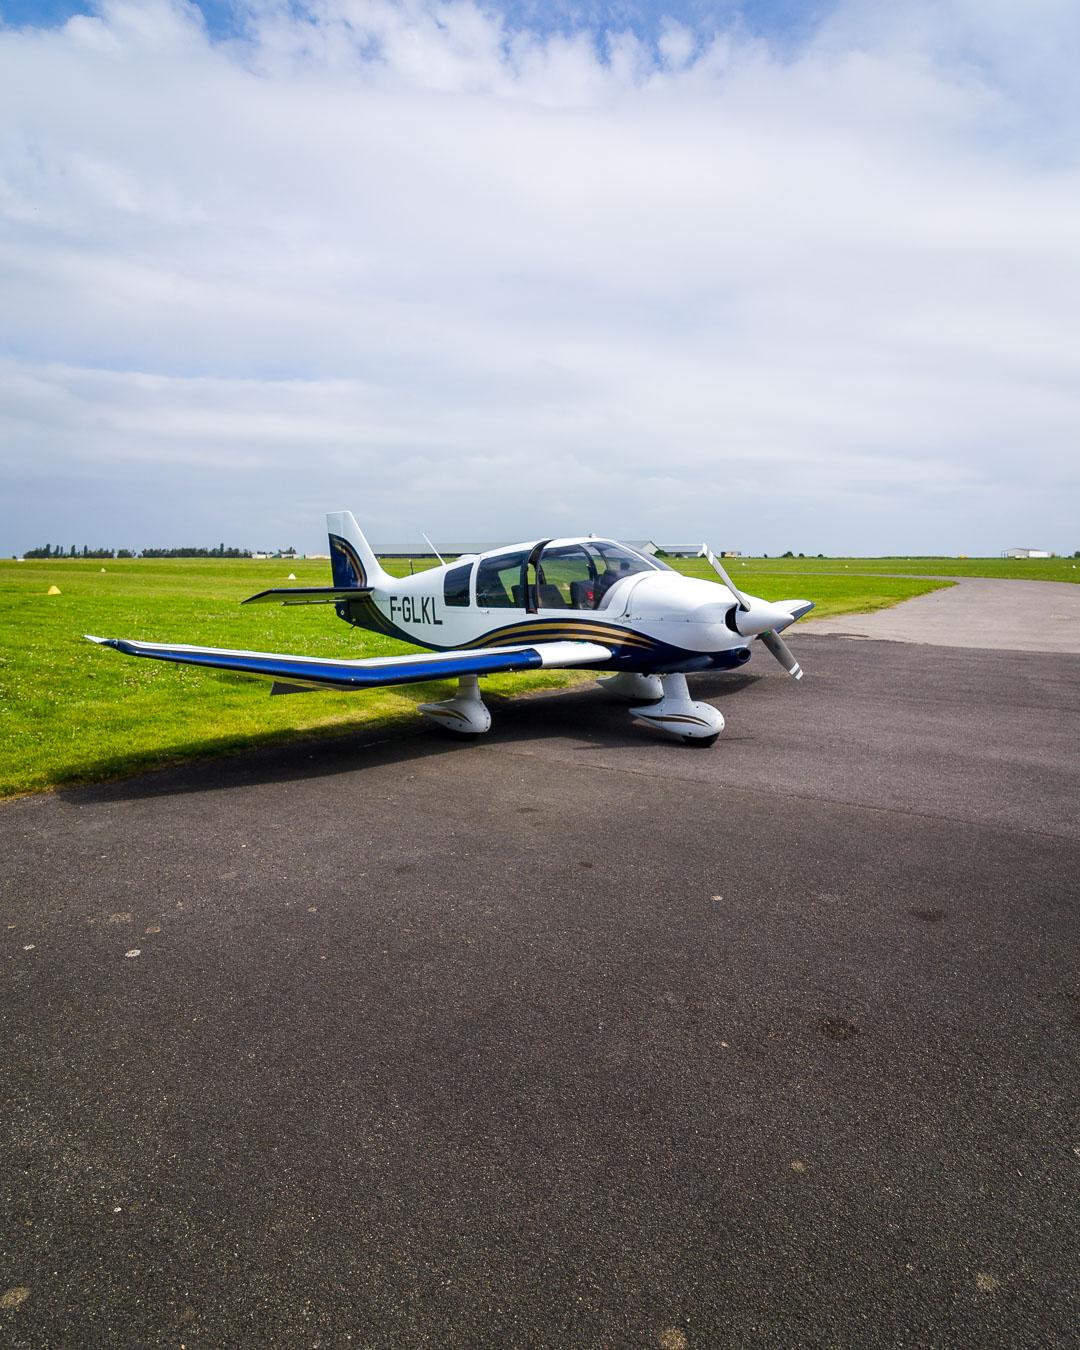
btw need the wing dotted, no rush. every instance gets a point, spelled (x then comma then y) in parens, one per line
(314, 672)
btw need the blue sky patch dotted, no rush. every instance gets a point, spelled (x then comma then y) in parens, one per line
(786, 22)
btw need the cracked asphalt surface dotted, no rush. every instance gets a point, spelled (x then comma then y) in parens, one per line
(570, 1036)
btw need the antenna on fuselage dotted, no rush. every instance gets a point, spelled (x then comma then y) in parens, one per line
(434, 549)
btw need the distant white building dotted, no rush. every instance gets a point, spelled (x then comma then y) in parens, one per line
(694, 551)
(1027, 553)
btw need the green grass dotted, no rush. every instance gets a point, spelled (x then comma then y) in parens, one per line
(840, 592)
(71, 712)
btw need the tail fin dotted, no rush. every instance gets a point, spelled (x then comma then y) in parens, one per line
(351, 558)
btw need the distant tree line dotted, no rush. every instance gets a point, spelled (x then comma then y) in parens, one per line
(220, 552)
(49, 551)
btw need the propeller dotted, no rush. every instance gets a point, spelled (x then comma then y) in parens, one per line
(764, 614)
(718, 567)
(782, 652)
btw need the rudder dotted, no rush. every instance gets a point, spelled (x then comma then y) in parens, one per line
(352, 560)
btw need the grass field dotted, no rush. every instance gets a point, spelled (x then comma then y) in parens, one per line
(837, 592)
(70, 712)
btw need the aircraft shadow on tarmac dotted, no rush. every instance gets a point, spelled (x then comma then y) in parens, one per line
(580, 711)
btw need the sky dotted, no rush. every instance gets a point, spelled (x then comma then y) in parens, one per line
(777, 275)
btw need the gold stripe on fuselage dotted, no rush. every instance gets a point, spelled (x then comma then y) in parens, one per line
(367, 612)
(557, 630)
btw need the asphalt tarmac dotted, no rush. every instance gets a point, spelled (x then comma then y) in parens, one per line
(571, 1036)
(976, 612)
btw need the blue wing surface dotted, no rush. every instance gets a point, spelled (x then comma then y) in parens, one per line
(314, 672)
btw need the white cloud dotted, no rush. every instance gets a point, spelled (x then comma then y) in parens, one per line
(404, 258)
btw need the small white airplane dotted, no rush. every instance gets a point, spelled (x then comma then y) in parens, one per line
(552, 603)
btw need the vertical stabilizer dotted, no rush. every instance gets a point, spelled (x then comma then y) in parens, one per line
(351, 557)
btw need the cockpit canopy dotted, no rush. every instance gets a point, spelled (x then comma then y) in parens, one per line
(553, 574)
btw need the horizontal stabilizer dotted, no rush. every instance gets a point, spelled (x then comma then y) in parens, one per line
(315, 672)
(307, 595)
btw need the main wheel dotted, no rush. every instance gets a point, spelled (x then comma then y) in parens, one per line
(701, 742)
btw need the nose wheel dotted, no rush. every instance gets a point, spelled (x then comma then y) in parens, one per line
(679, 715)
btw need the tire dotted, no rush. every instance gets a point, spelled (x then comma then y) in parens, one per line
(701, 742)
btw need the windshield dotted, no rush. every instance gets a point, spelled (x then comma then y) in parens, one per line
(580, 576)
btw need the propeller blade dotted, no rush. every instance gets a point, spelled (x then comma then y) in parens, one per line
(718, 568)
(782, 652)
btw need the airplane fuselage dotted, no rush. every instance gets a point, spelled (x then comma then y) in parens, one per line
(654, 619)
(553, 603)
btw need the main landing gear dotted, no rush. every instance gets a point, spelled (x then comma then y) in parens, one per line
(466, 713)
(632, 687)
(672, 709)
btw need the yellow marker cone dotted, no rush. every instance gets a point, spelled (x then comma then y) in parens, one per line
(53, 590)
(291, 576)
(102, 569)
